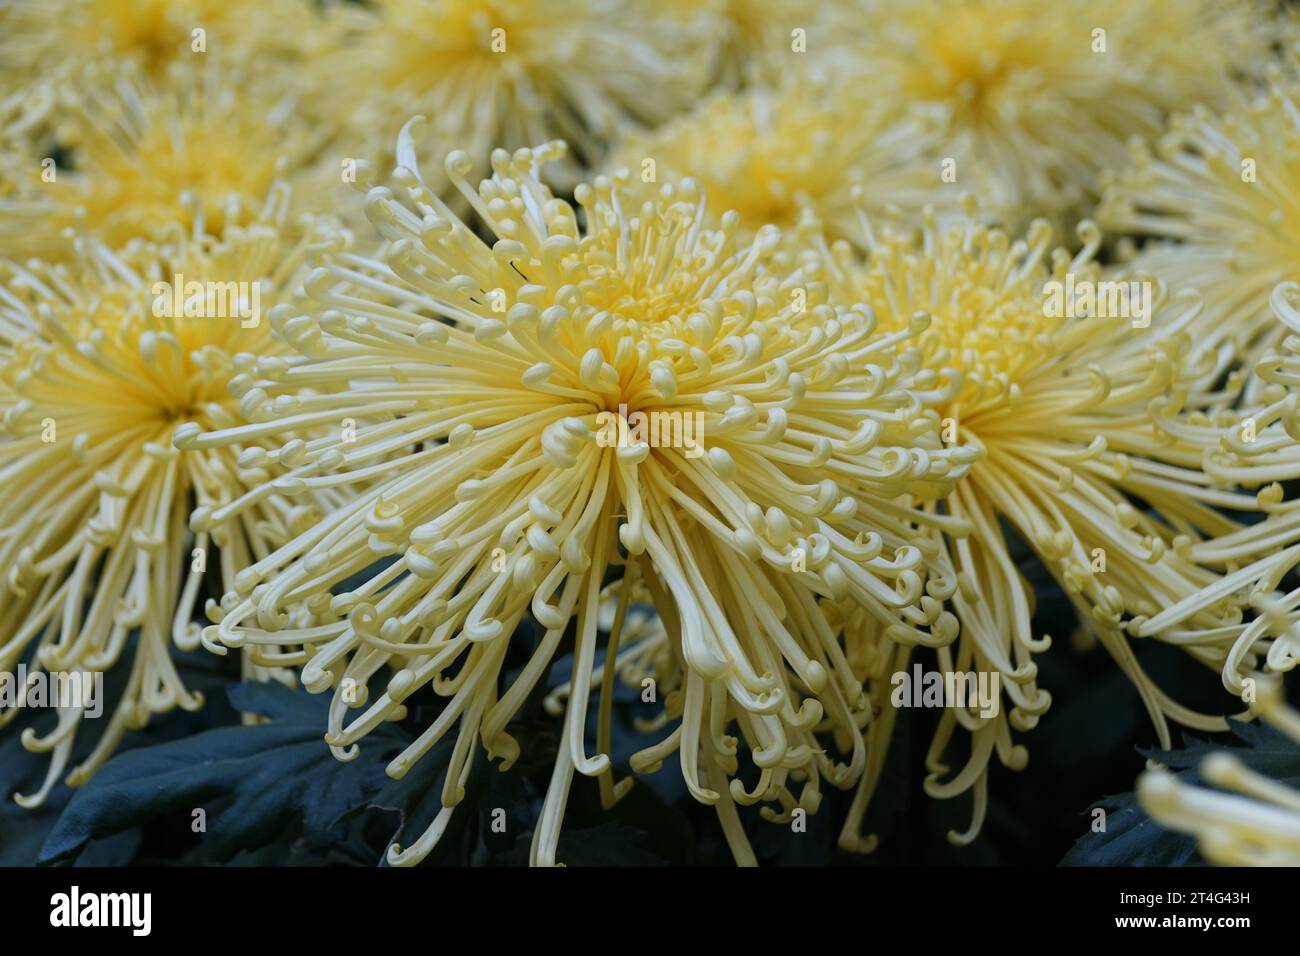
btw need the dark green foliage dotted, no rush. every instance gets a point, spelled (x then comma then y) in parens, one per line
(1131, 838)
(275, 795)
(253, 781)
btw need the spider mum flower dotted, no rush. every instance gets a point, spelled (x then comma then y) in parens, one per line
(507, 72)
(202, 148)
(1250, 820)
(768, 153)
(97, 367)
(1077, 420)
(1255, 442)
(521, 462)
(1219, 192)
(1050, 96)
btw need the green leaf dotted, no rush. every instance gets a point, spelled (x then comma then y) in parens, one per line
(253, 781)
(417, 798)
(23, 832)
(1132, 838)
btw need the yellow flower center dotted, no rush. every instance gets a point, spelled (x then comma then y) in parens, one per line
(133, 192)
(968, 54)
(429, 42)
(152, 32)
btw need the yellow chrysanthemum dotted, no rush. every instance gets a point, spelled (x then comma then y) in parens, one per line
(506, 73)
(510, 488)
(201, 147)
(759, 41)
(1079, 422)
(1050, 93)
(48, 39)
(768, 153)
(95, 374)
(1255, 823)
(1255, 442)
(1222, 193)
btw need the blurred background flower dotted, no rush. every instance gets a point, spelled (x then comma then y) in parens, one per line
(1215, 199)
(1051, 94)
(768, 153)
(503, 74)
(45, 44)
(200, 147)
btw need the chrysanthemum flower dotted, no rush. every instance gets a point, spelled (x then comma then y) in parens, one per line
(1254, 441)
(1077, 421)
(759, 41)
(1250, 820)
(506, 73)
(1220, 193)
(1048, 100)
(497, 383)
(769, 152)
(201, 147)
(47, 39)
(95, 374)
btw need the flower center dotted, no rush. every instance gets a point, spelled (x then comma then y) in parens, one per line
(134, 192)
